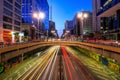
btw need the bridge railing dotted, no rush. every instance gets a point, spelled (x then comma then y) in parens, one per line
(13, 51)
(19, 46)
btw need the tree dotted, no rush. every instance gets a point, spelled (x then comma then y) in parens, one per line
(16, 36)
(26, 33)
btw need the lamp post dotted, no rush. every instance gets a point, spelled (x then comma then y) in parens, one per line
(39, 16)
(82, 16)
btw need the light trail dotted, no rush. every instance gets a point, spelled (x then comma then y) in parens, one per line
(32, 71)
(49, 65)
(53, 64)
(46, 65)
(74, 71)
(66, 61)
(81, 68)
(65, 71)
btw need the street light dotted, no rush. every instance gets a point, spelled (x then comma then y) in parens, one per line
(39, 16)
(82, 16)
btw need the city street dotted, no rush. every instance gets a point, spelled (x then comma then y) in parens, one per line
(62, 63)
(59, 39)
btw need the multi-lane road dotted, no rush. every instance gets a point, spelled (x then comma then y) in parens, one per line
(58, 63)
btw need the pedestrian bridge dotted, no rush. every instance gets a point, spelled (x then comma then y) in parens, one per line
(9, 52)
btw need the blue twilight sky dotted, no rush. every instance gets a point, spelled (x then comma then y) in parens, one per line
(63, 10)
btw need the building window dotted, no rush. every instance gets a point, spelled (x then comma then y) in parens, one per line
(27, 19)
(7, 19)
(7, 12)
(17, 23)
(17, 5)
(11, 1)
(9, 6)
(7, 26)
(16, 28)
(18, 11)
(17, 17)
(19, 1)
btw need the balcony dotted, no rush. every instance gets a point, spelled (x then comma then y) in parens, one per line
(109, 9)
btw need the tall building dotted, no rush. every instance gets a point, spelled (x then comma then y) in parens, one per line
(96, 19)
(10, 19)
(44, 6)
(52, 29)
(29, 7)
(69, 25)
(76, 30)
(83, 25)
(51, 25)
(109, 12)
(69, 28)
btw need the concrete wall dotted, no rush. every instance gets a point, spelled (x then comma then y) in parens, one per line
(110, 54)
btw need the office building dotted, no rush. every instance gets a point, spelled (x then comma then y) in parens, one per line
(82, 25)
(96, 19)
(10, 20)
(51, 25)
(69, 25)
(109, 12)
(29, 7)
(44, 6)
(52, 30)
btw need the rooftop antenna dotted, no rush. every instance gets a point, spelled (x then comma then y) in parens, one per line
(51, 10)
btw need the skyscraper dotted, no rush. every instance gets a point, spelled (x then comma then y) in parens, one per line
(52, 29)
(109, 12)
(69, 25)
(29, 7)
(44, 6)
(52, 25)
(96, 19)
(83, 25)
(10, 19)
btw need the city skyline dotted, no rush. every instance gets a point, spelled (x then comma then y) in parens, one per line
(64, 7)
(59, 39)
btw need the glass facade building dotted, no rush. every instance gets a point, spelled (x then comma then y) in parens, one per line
(31, 6)
(44, 7)
(109, 12)
(82, 26)
(27, 6)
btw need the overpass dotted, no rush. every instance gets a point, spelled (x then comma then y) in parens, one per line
(14, 51)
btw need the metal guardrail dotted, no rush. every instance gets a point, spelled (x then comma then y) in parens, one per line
(113, 44)
(104, 47)
(28, 45)
(13, 51)
(15, 44)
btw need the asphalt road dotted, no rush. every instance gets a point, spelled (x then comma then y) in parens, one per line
(60, 63)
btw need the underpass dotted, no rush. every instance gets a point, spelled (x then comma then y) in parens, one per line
(59, 63)
(63, 63)
(21, 49)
